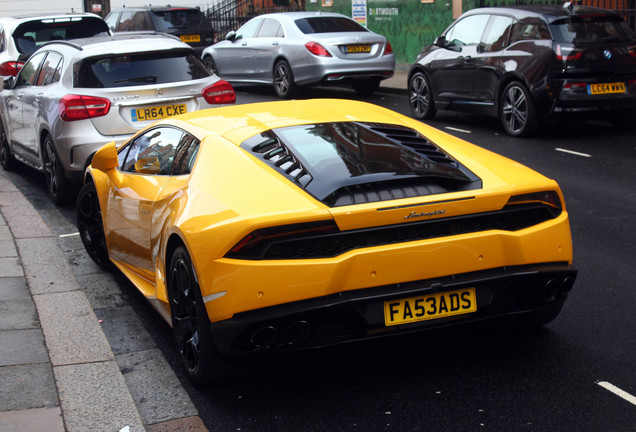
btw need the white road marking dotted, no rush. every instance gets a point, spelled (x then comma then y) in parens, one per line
(69, 235)
(618, 392)
(573, 152)
(458, 130)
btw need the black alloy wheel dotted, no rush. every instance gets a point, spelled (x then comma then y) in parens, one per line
(6, 158)
(366, 87)
(54, 176)
(91, 227)
(421, 96)
(284, 85)
(209, 63)
(517, 113)
(190, 323)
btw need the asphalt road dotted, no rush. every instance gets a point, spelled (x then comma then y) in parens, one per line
(566, 376)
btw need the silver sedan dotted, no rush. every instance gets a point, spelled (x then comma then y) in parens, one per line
(298, 49)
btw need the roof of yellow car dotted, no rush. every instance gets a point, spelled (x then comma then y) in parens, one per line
(239, 122)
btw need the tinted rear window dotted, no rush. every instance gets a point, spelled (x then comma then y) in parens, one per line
(30, 35)
(177, 18)
(590, 29)
(328, 25)
(139, 69)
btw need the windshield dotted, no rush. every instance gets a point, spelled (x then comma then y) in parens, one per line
(328, 25)
(589, 29)
(30, 35)
(139, 69)
(175, 18)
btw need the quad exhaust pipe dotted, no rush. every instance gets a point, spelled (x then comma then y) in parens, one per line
(293, 334)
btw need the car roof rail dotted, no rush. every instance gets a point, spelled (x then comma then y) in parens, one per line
(63, 42)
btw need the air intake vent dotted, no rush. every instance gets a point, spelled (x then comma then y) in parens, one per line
(279, 156)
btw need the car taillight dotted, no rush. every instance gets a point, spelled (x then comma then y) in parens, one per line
(78, 107)
(316, 49)
(568, 53)
(575, 86)
(10, 68)
(632, 50)
(388, 49)
(221, 92)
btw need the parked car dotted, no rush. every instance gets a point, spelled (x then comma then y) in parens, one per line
(70, 98)
(187, 23)
(526, 63)
(300, 224)
(21, 36)
(297, 49)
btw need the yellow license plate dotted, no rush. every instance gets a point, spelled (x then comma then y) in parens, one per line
(350, 49)
(607, 88)
(155, 113)
(190, 38)
(428, 307)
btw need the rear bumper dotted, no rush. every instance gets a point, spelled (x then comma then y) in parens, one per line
(538, 290)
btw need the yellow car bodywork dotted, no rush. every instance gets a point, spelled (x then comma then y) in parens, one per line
(231, 193)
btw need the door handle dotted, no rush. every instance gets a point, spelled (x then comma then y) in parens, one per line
(467, 59)
(244, 44)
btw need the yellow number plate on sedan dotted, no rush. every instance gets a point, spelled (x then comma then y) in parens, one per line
(156, 113)
(190, 38)
(350, 49)
(429, 307)
(607, 88)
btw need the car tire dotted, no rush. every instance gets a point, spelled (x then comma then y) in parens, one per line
(54, 176)
(517, 113)
(284, 85)
(209, 63)
(190, 323)
(6, 158)
(421, 96)
(366, 87)
(90, 225)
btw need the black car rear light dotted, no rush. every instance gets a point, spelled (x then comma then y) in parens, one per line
(567, 53)
(632, 50)
(255, 244)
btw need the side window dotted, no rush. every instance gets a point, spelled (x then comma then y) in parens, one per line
(529, 29)
(50, 69)
(185, 155)
(111, 20)
(270, 28)
(29, 72)
(496, 34)
(468, 31)
(248, 30)
(152, 152)
(3, 45)
(133, 21)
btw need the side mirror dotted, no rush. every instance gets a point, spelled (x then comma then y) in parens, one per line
(106, 158)
(440, 42)
(8, 82)
(230, 36)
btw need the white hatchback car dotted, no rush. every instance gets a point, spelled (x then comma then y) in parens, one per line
(72, 97)
(298, 49)
(21, 36)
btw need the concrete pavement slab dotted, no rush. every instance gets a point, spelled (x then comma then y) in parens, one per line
(25, 221)
(27, 386)
(155, 387)
(95, 397)
(72, 332)
(46, 268)
(18, 314)
(11, 267)
(22, 347)
(32, 420)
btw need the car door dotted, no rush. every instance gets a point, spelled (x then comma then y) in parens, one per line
(265, 48)
(137, 186)
(489, 58)
(234, 56)
(454, 66)
(20, 108)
